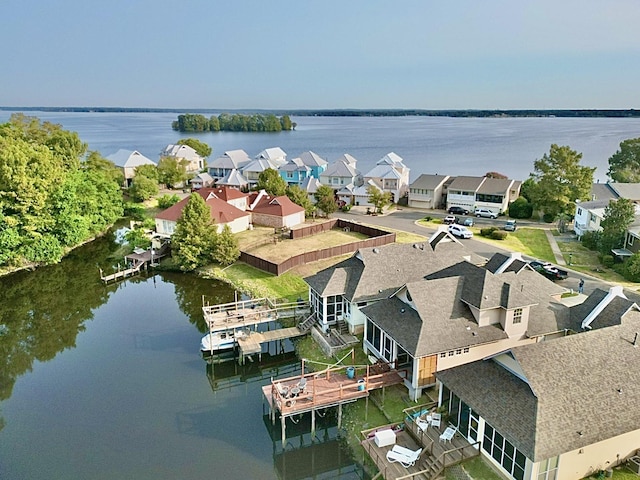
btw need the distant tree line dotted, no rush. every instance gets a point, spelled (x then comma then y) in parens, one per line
(226, 122)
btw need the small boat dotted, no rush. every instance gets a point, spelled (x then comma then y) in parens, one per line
(219, 341)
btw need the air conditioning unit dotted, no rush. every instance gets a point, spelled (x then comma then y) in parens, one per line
(634, 464)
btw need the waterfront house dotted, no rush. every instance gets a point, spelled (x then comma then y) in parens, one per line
(561, 409)
(341, 173)
(338, 293)
(251, 172)
(311, 185)
(391, 175)
(461, 192)
(234, 179)
(294, 172)
(274, 155)
(232, 196)
(426, 191)
(184, 153)
(315, 162)
(201, 180)
(588, 216)
(128, 161)
(277, 212)
(222, 213)
(472, 193)
(225, 163)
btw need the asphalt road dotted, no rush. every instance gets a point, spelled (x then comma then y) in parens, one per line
(404, 219)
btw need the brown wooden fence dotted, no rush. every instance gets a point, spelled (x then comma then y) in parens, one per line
(379, 238)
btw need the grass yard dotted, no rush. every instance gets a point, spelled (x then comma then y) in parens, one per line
(587, 261)
(528, 241)
(260, 242)
(478, 469)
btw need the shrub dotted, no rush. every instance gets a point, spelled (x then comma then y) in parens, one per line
(346, 208)
(134, 210)
(632, 268)
(488, 232)
(166, 201)
(520, 208)
(607, 260)
(498, 235)
(591, 240)
(548, 217)
(428, 218)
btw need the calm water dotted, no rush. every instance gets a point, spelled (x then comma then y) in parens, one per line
(108, 383)
(456, 146)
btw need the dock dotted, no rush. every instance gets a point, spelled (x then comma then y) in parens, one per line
(137, 261)
(245, 313)
(252, 344)
(332, 387)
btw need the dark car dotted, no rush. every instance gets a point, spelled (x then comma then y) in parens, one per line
(548, 270)
(458, 211)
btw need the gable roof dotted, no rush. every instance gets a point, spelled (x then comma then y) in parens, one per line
(630, 191)
(348, 159)
(312, 159)
(129, 159)
(259, 165)
(340, 168)
(234, 178)
(231, 159)
(310, 184)
(180, 151)
(393, 159)
(466, 184)
(274, 154)
(223, 193)
(557, 396)
(280, 206)
(429, 182)
(383, 171)
(221, 211)
(495, 186)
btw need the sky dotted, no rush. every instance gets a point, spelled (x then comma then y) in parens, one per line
(327, 54)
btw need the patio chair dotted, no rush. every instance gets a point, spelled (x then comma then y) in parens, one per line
(283, 390)
(448, 434)
(302, 384)
(406, 457)
(423, 424)
(435, 419)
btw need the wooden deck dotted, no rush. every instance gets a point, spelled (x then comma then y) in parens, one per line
(326, 389)
(435, 457)
(252, 344)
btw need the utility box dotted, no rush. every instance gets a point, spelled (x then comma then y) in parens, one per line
(384, 438)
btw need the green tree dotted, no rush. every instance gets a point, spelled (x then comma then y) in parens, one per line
(143, 188)
(172, 172)
(378, 198)
(631, 269)
(618, 216)
(298, 196)
(194, 239)
(226, 249)
(166, 201)
(326, 200)
(149, 171)
(520, 208)
(214, 124)
(624, 165)
(526, 189)
(97, 163)
(271, 181)
(201, 148)
(560, 181)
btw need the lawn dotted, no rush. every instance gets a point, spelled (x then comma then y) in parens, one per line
(580, 258)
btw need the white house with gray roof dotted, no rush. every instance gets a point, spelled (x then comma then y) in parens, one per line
(275, 155)
(562, 409)
(391, 175)
(340, 174)
(184, 153)
(426, 191)
(128, 161)
(472, 193)
(230, 160)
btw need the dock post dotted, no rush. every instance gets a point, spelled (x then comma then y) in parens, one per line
(339, 415)
(282, 422)
(366, 408)
(313, 422)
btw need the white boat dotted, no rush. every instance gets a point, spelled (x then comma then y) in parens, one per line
(218, 341)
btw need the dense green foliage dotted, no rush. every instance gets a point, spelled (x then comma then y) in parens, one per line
(201, 148)
(631, 270)
(166, 201)
(326, 200)
(378, 198)
(270, 181)
(624, 165)
(520, 208)
(560, 180)
(172, 172)
(618, 216)
(143, 188)
(191, 122)
(298, 196)
(226, 249)
(50, 199)
(194, 239)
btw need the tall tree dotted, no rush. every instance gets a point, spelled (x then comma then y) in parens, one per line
(326, 200)
(143, 188)
(560, 181)
(624, 165)
(618, 216)
(194, 239)
(171, 171)
(201, 148)
(298, 196)
(97, 163)
(378, 198)
(226, 249)
(271, 181)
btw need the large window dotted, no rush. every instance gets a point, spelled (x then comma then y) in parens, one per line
(484, 197)
(503, 452)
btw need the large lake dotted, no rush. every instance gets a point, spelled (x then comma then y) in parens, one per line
(454, 146)
(107, 382)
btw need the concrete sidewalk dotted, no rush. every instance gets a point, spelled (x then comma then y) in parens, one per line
(557, 253)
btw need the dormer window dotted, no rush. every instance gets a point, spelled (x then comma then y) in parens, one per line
(517, 316)
(409, 296)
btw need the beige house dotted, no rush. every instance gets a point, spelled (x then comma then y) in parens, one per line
(184, 153)
(277, 212)
(128, 161)
(426, 191)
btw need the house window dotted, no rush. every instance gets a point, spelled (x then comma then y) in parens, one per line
(374, 335)
(289, 174)
(630, 238)
(592, 218)
(466, 350)
(503, 452)
(548, 469)
(579, 211)
(443, 355)
(517, 316)
(451, 353)
(459, 351)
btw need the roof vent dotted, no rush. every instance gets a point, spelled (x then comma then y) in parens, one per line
(375, 250)
(402, 310)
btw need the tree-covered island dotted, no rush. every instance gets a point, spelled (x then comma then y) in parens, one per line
(225, 122)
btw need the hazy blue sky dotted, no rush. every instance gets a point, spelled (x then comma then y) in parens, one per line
(290, 54)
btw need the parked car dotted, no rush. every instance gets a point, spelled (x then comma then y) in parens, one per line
(460, 231)
(510, 226)
(468, 222)
(449, 219)
(458, 210)
(549, 270)
(486, 213)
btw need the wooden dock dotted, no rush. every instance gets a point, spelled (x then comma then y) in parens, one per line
(252, 344)
(137, 261)
(329, 388)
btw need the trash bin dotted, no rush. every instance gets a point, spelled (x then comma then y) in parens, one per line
(351, 372)
(361, 385)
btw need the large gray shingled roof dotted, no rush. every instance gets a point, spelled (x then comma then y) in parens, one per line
(573, 392)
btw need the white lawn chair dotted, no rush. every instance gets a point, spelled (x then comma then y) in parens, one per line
(423, 424)
(406, 457)
(448, 434)
(435, 419)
